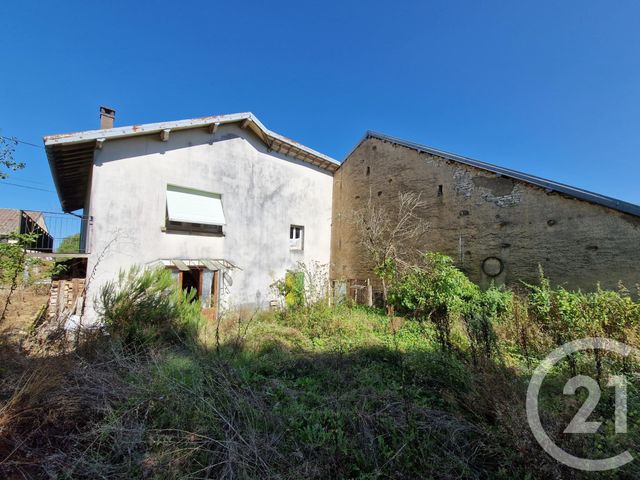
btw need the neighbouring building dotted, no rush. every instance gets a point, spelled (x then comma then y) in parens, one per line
(496, 223)
(13, 221)
(228, 205)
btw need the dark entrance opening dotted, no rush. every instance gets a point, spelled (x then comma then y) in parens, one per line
(192, 280)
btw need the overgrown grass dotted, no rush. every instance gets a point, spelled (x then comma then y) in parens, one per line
(342, 392)
(315, 391)
(356, 398)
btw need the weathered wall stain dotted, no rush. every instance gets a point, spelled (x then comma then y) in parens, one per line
(499, 186)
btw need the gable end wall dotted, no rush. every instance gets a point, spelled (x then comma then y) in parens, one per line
(481, 215)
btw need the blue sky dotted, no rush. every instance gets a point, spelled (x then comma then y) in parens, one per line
(550, 88)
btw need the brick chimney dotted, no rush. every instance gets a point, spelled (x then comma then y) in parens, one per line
(106, 117)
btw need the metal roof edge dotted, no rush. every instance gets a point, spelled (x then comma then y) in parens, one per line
(548, 185)
(360, 142)
(143, 129)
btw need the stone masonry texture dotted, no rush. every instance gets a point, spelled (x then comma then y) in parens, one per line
(480, 218)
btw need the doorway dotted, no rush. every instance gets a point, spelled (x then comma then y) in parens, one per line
(205, 284)
(192, 280)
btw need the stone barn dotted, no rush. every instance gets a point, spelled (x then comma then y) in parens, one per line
(496, 223)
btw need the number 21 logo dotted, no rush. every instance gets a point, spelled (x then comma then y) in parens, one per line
(580, 423)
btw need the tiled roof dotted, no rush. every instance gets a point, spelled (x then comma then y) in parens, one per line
(9, 221)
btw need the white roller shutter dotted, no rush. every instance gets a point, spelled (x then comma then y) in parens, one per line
(194, 206)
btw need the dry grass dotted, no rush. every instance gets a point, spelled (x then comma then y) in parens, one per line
(25, 306)
(47, 396)
(53, 402)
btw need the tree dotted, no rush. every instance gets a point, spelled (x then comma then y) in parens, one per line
(70, 244)
(7, 161)
(389, 233)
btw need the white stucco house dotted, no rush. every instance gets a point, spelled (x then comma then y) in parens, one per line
(228, 205)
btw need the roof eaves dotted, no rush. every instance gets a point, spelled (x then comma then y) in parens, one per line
(151, 128)
(56, 183)
(144, 129)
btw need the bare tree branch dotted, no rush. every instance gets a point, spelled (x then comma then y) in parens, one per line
(389, 231)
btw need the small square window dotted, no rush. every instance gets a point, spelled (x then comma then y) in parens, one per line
(296, 237)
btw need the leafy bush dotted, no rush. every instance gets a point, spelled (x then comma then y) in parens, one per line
(303, 286)
(566, 315)
(13, 258)
(482, 311)
(434, 290)
(294, 289)
(559, 312)
(536, 320)
(146, 305)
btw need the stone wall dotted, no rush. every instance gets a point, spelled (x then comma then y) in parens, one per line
(482, 219)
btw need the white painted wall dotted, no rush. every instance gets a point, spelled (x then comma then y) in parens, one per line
(263, 193)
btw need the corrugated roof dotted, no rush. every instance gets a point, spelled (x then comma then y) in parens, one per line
(548, 185)
(71, 154)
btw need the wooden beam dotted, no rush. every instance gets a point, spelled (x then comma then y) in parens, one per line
(245, 123)
(74, 163)
(75, 151)
(99, 143)
(213, 128)
(164, 134)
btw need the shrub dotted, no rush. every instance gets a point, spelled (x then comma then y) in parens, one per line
(146, 305)
(304, 286)
(482, 310)
(434, 290)
(294, 289)
(568, 315)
